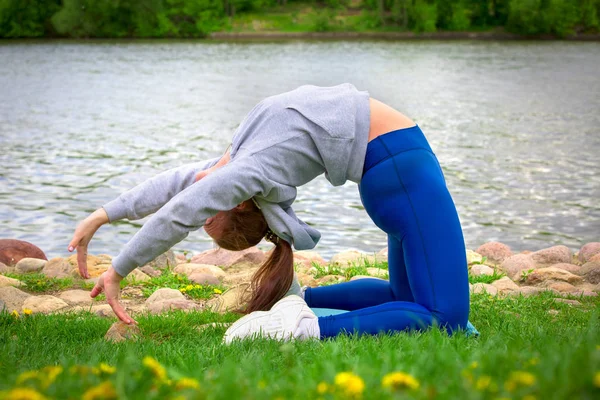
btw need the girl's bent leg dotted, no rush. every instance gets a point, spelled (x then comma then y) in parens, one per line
(365, 293)
(350, 296)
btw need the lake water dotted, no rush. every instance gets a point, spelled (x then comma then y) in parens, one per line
(515, 125)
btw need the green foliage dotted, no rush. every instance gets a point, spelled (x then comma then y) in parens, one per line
(589, 14)
(517, 334)
(198, 18)
(168, 279)
(461, 20)
(27, 18)
(486, 278)
(423, 16)
(41, 283)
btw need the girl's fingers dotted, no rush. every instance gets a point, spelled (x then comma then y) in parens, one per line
(119, 310)
(96, 290)
(82, 261)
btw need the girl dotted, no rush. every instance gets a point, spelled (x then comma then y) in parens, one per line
(286, 141)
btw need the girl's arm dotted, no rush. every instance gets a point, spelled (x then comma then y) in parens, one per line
(149, 196)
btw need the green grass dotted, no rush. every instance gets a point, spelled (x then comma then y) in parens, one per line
(37, 282)
(486, 278)
(169, 279)
(561, 352)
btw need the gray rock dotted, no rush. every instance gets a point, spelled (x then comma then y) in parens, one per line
(43, 304)
(190, 268)
(562, 287)
(12, 251)
(203, 279)
(572, 268)
(541, 275)
(306, 258)
(150, 271)
(527, 291)
(505, 285)
(163, 261)
(158, 307)
(138, 276)
(57, 267)
(378, 272)
(478, 288)
(567, 301)
(120, 331)
(226, 259)
(4, 268)
(495, 252)
(552, 255)
(2, 305)
(515, 265)
(13, 298)
(164, 294)
(480, 269)
(588, 251)
(76, 296)
(28, 265)
(473, 257)
(6, 281)
(591, 272)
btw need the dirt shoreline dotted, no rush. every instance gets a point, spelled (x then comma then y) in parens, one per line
(494, 35)
(283, 36)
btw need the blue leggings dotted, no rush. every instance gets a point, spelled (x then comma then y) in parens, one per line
(404, 192)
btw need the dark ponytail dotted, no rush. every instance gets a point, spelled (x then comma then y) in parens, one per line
(273, 279)
(246, 228)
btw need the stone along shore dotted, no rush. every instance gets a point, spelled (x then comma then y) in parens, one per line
(227, 275)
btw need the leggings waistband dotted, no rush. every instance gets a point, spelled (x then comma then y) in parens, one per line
(392, 143)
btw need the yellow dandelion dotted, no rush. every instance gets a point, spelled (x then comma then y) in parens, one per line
(104, 391)
(187, 383)
(197, 287)
(182, 290)
(474, 365)
(322, 387)
(467, 374)
(157, 369)
(523, 377)
(49, 374)
(597, 379)
(352, 385)
(218, 291)
(532, 362)
(15, 314)
(529, 397)
(27, 375)
(483, 382)
(106, 369)
(399, 380)
(83, 370)
(180, 397)
(27, 311)
(189, 287)
(24, 394)
(598, 347)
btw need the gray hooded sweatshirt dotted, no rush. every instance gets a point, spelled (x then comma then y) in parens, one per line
(284, 142)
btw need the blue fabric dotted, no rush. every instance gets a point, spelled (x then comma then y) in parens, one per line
(324, 312)
(404, 192)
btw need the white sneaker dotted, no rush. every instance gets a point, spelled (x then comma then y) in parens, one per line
(281, 322)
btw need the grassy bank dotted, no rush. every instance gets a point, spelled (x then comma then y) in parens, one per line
(534, 347)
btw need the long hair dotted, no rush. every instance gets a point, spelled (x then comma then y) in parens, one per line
(246, 228)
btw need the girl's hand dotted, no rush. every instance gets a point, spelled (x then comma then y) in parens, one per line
(109, 283)
(83, 235)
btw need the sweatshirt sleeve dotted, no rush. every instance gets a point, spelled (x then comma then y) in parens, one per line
(187, 211)
(150, 195)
